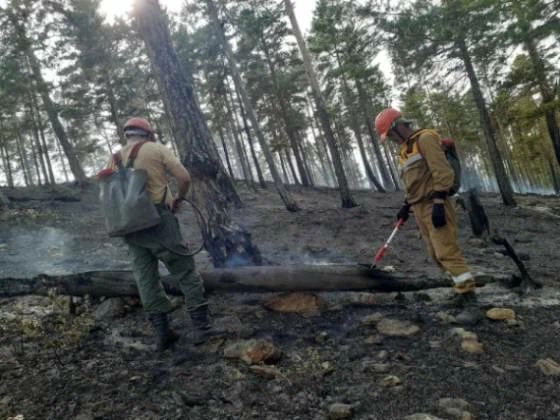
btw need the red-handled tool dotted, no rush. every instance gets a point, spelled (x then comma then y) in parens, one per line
(381, 253)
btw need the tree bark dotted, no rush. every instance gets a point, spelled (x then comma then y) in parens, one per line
(289, 202)
(244, 279)
(345, 194)
(503, 182)
(212, 188)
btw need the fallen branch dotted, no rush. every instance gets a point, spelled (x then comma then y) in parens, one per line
(245, 279)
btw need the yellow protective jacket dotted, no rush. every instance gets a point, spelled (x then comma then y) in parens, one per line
(424, 167)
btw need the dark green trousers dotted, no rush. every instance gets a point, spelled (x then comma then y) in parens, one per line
(164, 243)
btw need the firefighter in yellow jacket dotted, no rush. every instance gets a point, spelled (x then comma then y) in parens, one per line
(428, 179)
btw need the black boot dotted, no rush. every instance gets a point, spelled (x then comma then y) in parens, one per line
(202, 330)
(164, 336)
(470, 313)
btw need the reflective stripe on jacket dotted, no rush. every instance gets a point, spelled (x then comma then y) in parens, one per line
(424, 166)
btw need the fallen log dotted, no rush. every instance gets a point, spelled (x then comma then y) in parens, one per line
(244, 279)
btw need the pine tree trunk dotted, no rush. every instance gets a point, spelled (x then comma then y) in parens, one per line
(291, 166)
(226, 152)
(284, 112)
(232, 130)
(44, 147)
(36, 163)
(392, 170)
(547, 96)
(237, 126)
(304, 157)
(35, 130)
(283, 166)
(52, 113)
(554, 177)
(7, 164)
(367, 113)
(489, 134)
(212, 188)
(247, 129)
(113, 108)
(357, 133)
(321, 152)
(289, 202)
(346, 195)
(23, 161)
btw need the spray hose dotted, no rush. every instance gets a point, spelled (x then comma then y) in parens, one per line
(202, 224)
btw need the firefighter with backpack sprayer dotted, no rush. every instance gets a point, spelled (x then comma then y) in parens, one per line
(429, 180)
(162, 242)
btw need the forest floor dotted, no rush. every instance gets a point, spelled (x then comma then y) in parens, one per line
(374, 358)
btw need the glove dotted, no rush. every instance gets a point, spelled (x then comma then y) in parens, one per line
(438, 215)
(404, 212)
(175, 205)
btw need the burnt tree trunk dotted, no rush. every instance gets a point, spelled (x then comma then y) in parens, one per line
(243, 279)
(322, 111)
(212, 188)
(289, 202)
(489, 134)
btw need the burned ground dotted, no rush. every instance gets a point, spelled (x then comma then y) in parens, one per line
(55, 365)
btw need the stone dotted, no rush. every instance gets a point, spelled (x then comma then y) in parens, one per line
(469, 316)
(267, 372)
(374, 339)
(464, 334)
(253, 351)
(549, 367)
(472, 346)
(500, 314)
(305, 304)
(383, 355)
(110, 309)
(397, 328)
(390, 381)
(340, 411)
(422, 416)
(477, 243)
(456, 408)
(377, 367)
(372, 319)
(445, 316)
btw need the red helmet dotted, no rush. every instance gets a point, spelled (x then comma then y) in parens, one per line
(140, 123)
(385, 120)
